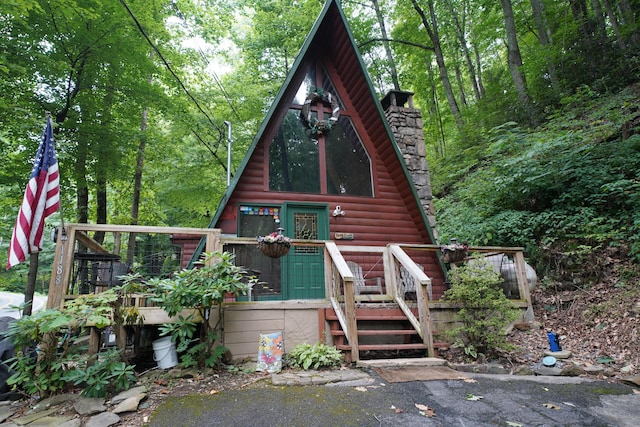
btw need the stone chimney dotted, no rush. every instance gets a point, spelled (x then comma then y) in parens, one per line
(406, 125)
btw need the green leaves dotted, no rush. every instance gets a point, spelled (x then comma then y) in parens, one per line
(485, 311)
(315, 356)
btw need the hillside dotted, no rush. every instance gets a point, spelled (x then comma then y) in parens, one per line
(569, 192)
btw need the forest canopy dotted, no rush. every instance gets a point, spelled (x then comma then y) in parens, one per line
(531, 108)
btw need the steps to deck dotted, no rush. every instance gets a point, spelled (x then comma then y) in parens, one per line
(381, 332)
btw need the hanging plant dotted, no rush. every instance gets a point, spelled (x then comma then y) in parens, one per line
(320, 127)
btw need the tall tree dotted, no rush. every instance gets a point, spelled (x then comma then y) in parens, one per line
(514, 58)
(459, 21)
(431, 26)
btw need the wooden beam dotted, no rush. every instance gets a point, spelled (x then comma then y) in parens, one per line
(90, 243)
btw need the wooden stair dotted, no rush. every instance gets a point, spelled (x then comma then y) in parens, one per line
(382, 332)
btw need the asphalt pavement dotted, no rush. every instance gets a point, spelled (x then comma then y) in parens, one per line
(482, 400)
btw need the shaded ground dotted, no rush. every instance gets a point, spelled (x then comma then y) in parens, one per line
(481, 401)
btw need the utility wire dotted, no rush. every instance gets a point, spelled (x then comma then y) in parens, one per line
(155, 48)
(226, 95)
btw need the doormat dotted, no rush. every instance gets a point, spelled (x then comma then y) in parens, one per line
(419, 373)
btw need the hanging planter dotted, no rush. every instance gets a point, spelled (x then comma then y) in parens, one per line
(275, 245)
(454, 252)
(316, 126)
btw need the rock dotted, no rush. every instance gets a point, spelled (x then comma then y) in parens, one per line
(633, 380)
(34, 416)
(626, 370)
(522, 326)
(544, 370)
(130, 404)
(76, 422)
(89, 405)
(593, 369)
(492, 368)
(562, 354)
(104, 419)
(50, 421)
(572, 370)
(52, 401)
(6, 413)
(523, 370)
(127, 394)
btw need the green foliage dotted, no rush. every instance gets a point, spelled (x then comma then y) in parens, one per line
(485, 310)
(315, 356)
(109, 373)
(50, 354)
(560, 191)
(201, 289)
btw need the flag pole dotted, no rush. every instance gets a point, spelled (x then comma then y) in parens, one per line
(41, 200)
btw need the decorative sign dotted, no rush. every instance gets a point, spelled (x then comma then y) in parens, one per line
(261, 211)
(344, 236)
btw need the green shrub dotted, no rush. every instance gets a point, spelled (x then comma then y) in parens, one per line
(315, 356)
(48, 356)
(109, 373)
(485, 312)
(201, 289)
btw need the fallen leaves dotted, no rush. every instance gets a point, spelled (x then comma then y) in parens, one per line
(472, 397)
(551, 406)
(426, 410)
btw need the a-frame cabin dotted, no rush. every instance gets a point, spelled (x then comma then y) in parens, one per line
(326, 167)
(345, 176)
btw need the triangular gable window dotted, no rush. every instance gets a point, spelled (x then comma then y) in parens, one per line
(317, 148)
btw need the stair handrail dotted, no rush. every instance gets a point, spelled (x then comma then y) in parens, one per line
(335, 263)
(422, 324)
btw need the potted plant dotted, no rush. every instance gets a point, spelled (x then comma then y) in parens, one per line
(275, 244)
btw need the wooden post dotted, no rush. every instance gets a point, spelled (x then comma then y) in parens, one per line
(425, 317)
(521, 276)
(350, 313)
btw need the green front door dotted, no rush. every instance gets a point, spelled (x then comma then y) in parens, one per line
(303, 267)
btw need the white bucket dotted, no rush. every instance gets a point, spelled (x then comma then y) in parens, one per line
(164, 353)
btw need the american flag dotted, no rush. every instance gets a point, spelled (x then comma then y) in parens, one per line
(41, 199)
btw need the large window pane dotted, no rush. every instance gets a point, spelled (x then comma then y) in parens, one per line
(348, 163)
(293, 158)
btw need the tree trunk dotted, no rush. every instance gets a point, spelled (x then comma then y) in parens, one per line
(513, 57)
(387, 46)
(546, 41)
(30, 287)
(615, 25)
(581, 16)
(463, 96)
(479, 71)
(437, 48)
(137, 185)
(460, 33)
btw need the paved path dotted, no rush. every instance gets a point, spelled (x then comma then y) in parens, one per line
(362, 398)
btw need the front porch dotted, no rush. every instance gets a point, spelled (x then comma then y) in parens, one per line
(363, 299)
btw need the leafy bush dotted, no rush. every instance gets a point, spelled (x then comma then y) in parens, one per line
(485, 312)
(48, 356)
(201, 289)
(109, 373)
(316, 356)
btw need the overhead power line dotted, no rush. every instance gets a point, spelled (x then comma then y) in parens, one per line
(168, 66)
(203, 55)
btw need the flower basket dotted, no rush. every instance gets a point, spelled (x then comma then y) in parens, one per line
(454, 252)
(274, 250)
(455, 255)
(275, 244)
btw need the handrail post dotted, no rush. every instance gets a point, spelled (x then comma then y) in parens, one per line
(350, 314)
